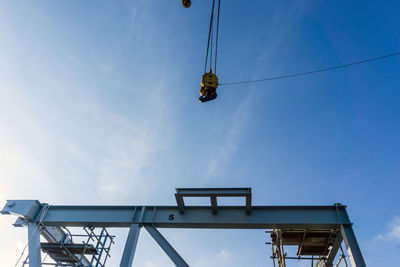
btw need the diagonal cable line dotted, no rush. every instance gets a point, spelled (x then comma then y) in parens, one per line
(315, 71)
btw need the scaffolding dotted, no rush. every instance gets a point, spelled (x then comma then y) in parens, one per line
(316, 246)
(317, 231)
(89, 247)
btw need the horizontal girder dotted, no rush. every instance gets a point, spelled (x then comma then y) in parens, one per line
(229, 217)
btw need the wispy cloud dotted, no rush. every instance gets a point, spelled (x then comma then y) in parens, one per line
(12, 244)
(140, 10)
(384, 248)
(280, 23)
(221, 258)
(60, 143)
(392, 233)
(128, 150)
(345, 177)
(99, 150)
(221, 160)
(98, 156)
(23, 145)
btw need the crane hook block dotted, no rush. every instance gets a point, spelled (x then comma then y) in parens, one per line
(208, 87)
(186, 3)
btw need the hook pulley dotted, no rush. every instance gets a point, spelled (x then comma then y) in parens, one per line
(208, 87)
(209, 81)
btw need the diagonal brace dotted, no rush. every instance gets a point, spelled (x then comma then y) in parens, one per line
(353, 249)
(334, 250)
(163, 243)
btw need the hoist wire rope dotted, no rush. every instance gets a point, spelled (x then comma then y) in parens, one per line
(209, 34)
(211, 47)
(314, 71)
(216, 37)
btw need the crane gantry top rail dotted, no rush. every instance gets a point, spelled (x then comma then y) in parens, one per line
(292, 222)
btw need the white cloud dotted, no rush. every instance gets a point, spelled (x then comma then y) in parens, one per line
(80, 152)
(23, 146)
(393, 233)
(384, 248)
(225, 254)
(128, 149)
(223, 257)
(279, 23)
(221, 160)
(140, 10)
(97, 152)
(12, 241)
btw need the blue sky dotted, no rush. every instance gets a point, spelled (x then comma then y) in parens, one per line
(98, 104)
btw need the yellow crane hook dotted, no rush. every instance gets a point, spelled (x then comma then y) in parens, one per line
(208, 87)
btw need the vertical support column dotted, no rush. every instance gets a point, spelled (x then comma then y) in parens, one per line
(130, 246)
(34, 245)
(180, 203)
(351, 243)
(214, 204)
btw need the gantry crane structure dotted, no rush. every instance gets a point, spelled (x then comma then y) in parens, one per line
(317, 231)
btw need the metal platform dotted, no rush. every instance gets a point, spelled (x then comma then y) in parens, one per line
(314, 242)
(67, 253)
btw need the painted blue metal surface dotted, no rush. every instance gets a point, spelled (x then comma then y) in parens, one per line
(130, 246)
(228, 217)
(34, 245)
(165, 245)
(262, 217)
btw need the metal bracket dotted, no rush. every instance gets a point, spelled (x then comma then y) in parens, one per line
(212, 193)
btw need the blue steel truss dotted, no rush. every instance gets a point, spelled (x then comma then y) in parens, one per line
(333, 218)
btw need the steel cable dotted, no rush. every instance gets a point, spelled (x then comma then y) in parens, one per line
(216, 37)
(209, 34)
(314, 71)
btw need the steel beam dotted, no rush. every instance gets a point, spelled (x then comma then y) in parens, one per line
(130, 245)
(163, 243)
(262, 217)
(34, 245)
(223, 192)
(228, 217)
(350, 239)
(29, 209)
(353, 249)
(334, 250)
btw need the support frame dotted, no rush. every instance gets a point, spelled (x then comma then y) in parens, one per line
(205, 217)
